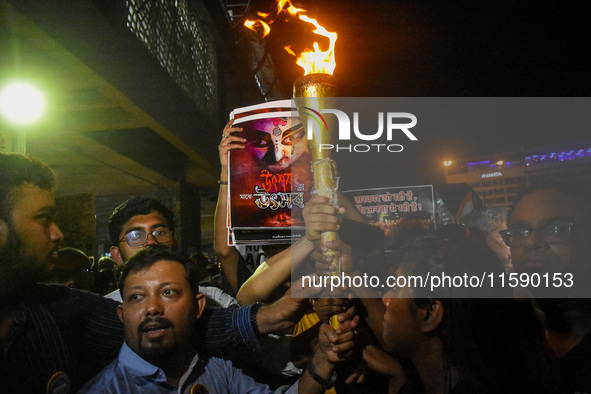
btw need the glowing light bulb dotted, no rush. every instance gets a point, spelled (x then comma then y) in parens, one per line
(22, 103)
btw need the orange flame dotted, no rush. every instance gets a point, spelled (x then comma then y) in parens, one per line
(316, 61)
(253, 24)
(293, 11)
(290, 51)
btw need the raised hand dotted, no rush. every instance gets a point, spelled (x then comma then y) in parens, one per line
(229, 142)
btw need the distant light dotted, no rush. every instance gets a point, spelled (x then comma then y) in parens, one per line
(479, 163)
(447, 163)
(500, 162)
(22, 103)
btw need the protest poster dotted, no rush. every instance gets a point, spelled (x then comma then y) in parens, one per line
(270, 179)
(386, 207)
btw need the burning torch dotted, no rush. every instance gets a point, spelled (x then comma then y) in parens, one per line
(312, 93)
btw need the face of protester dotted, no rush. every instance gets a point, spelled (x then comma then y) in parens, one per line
(159, 310)
(495, 242)
(532, 254)
(147, 223)
(401, 327)
(33, 220)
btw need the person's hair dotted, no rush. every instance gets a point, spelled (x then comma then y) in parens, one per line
(71, 259)
(135, 206)
(578, 191)
(72, 264)
(17, 170)
(472, 328)
(453, 231)
(151, 255)
(437, 254)
(106, 263)
(485, 219)
(362, 237)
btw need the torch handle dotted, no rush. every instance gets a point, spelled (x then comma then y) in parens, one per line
(325, 184)
(312, 92)
(334, 256)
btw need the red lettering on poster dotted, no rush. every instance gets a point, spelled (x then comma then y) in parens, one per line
(274, 183)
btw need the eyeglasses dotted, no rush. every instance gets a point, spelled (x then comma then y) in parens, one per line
(137, 238)
(550, 233)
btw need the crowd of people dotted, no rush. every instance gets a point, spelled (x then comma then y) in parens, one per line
(149, 320)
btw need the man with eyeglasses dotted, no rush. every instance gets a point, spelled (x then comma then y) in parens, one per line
(141, 222)
(137, 223)
(550, 234)
(53, 338)
(161, 308)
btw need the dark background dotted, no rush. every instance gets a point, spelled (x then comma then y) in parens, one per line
(425, 48)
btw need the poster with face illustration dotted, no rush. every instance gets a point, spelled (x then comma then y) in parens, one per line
(270, 179)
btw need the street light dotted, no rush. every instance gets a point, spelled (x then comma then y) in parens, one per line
(446, 164)
(22, 104)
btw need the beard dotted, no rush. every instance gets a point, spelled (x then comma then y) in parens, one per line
(155, 350)
(18, 272)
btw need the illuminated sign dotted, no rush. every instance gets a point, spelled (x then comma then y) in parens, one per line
(491, 175)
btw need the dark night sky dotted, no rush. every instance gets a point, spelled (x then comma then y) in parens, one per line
(459, 48)
(416, 48)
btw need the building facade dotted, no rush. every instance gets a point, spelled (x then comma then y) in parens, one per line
(498, 183)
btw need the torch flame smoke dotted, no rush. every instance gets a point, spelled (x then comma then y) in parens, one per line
(313, 62)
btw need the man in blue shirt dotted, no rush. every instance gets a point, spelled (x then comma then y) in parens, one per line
(51, 337)
(160, 306)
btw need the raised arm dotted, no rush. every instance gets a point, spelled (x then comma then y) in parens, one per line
(228, 255)
(319, 216)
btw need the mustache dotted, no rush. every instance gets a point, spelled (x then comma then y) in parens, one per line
(156, 322)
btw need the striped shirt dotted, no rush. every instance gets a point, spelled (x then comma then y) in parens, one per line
(73, 332)
(57, 329)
